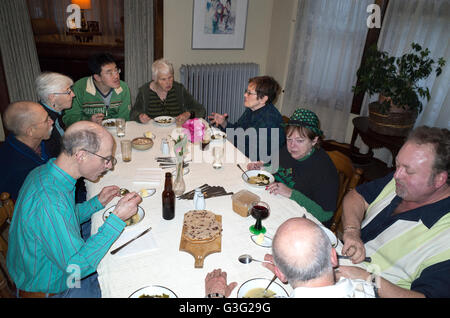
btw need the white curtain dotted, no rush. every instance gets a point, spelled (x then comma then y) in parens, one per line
(327, 48)
(425, 22)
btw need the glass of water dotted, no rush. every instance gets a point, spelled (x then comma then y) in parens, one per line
(218, 154)
(120, 127)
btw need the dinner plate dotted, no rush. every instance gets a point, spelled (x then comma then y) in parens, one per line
(140, 213)
(261, 283)
(266, 242)
(164, 120)
(109, 123)
(331, 236)
(254, 173)
(154, 291)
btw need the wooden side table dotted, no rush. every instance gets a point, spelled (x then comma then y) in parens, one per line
(83, 36)
(374, 140)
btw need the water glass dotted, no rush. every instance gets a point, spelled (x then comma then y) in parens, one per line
(120, 127)
(217, 154)
(125, 146)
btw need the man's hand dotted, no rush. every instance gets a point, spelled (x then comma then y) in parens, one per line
(98, 118)
(107, 194)
(127, 206)
(353, 246)
(216, 282)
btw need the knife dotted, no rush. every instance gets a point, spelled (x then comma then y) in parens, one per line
(138, 236)
(367, 259)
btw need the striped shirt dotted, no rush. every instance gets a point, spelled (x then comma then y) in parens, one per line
(46, 250)
(410, 249)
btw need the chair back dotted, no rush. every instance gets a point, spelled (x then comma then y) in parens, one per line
(349, 178)
(6, 213)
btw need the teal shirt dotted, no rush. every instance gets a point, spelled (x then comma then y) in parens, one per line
(46, 250)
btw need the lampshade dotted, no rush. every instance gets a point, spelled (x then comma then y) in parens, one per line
(84, 4)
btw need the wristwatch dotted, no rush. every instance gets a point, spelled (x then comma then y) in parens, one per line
(215, 295)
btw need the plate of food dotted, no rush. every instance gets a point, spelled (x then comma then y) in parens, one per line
(135, 219)
(262, 240)
(149, 134)
(142, 143)
(164, 120)
(109, 123)
(254, 288)
(154, 291)
(258, 178)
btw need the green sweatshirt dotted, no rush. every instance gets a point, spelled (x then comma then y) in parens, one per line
(88, 101)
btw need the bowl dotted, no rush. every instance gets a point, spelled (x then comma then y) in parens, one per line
(261, 283)
(153, 292)
(142, 143)
(131, 221)
(109, 123)
(254, 173)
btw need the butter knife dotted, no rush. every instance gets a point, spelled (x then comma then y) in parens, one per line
(135, 238)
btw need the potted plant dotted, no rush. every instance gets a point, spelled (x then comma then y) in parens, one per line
(396, 80)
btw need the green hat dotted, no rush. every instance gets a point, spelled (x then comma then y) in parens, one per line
(305, 118)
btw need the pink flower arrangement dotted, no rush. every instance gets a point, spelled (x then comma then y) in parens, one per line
(196, 129)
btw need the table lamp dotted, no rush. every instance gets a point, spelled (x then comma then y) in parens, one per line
(84, 5)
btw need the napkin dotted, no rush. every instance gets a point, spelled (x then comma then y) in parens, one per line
(151, 176)
(143, 244)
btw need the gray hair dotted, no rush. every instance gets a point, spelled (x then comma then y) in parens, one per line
(80, 139)
(19, 116)
(317, 260)
(161, 66)
(50, 82)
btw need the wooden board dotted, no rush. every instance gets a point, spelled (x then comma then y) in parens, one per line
(201, 250)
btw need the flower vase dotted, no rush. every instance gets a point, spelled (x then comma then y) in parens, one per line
(179, 186)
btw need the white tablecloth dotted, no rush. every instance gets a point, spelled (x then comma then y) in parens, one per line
(162, 263)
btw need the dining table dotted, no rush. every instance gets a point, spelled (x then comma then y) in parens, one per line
(155, 259)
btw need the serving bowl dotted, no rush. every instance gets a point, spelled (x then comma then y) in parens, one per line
(142, 143)
(254, 173)
(255, 283)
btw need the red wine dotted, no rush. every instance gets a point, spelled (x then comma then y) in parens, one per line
(259, 211)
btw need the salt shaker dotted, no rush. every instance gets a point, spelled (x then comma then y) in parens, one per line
(200, 203)
(164, 147)
(196, 194)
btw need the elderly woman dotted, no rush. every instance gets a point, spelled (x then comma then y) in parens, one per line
(306, 173)
(164, 97)
(55, 94)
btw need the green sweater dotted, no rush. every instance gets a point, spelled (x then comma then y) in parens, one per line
(88, 101)
(178, 101)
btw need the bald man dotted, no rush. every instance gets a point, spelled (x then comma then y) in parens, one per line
(23, 149)
(47, 257)
(304, 258)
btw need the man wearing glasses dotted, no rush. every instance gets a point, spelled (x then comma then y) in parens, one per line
(100, 96)
(47, 257)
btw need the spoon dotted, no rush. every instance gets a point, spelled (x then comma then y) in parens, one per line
(273, 279)
(247, 259)
(123, 191)
(243, 171)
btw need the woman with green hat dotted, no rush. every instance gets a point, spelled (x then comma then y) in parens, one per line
(306, 173)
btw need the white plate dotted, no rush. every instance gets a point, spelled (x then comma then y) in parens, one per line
(140, 212)
(261, 283)
(153, 290)
(109, 121)
(331, 236)
(253, 173)
(150, 192)
(158, 120)
(267, 242)
(149, 134)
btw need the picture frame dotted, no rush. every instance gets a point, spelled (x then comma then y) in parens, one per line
(93, 26)
(219, 24)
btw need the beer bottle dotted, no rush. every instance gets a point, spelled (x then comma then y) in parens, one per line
(168, 199)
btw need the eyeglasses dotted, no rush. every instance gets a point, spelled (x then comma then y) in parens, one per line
(250, 93)
(69, 91)
(294, 140)
(107, 159)
(113, 72)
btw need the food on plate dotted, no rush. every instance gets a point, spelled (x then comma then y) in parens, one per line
(154, 296)
(143, 193)
(260, 179)
(259, 293)
(164, 120)
(149, 134)
(110, 123)
(201, 226)
(260, 238)
(133, 220)
(142, 141)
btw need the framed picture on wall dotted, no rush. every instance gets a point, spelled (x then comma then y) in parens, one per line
(219, 24)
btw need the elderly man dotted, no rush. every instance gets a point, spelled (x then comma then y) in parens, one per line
(100, 96)
(47, 255)
(402, 221)
(23, 149)
(303, 257)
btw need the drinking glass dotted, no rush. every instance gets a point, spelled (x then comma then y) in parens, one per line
(218, 154)
(125, 146)
(259, 210)
(120, 127)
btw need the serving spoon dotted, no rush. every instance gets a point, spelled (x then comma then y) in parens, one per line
(243, 171)
(247, 259)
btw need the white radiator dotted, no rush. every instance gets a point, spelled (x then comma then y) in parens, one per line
(219, 87)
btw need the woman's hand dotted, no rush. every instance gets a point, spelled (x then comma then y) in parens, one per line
(144, 118)
(279, 188)
(255, 165)
(218, 119)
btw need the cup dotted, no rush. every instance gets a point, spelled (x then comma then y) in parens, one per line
(120, 127)
(217, 154)
(125, 146)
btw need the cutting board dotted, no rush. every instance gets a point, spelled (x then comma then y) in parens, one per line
(201, 250)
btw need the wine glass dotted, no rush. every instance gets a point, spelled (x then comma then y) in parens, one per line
(259, 210)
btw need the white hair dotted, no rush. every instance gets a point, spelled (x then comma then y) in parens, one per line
(50, 82)
(161, 66)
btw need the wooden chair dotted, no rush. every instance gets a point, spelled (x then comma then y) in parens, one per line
(349, 178)
(6, 213)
